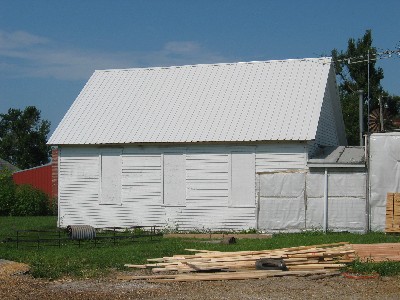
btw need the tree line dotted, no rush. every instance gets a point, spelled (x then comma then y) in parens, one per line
(354, 74)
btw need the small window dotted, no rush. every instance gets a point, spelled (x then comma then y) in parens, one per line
(110, 168)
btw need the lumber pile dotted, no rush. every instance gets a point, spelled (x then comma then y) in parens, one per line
(216, 265)
(377, 252)
(392, 213)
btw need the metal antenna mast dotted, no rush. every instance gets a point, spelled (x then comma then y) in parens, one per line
(368, 98)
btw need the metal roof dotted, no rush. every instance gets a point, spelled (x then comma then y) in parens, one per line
(253, 101)
(6, 165)
(338, 156)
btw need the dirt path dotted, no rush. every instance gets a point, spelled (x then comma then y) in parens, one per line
(26, 287)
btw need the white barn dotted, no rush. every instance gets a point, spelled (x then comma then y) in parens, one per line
(184, 146)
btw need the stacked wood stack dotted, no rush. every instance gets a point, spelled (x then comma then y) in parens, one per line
(377, 252)
(392, 213)
(216, 265)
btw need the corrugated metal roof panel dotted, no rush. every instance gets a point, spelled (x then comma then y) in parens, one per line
(6, 165)
(255, 101)
(339, 156)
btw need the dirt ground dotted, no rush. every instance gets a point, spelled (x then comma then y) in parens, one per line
(23, 286)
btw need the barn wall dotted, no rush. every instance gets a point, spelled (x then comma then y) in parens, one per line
(330, 130)
(210, 174)
(54, 172)
(39, 178)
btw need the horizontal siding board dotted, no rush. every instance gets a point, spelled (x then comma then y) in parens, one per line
(281, 156)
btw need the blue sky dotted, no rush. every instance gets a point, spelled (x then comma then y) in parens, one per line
(49, 49)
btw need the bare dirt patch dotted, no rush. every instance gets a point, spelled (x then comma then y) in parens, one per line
(338, 287)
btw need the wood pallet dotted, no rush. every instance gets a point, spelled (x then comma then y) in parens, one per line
(392, 213)
(215, 265)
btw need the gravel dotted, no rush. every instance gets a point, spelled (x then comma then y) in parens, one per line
(25, 287)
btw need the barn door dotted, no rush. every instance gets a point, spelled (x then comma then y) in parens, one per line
(281, 201)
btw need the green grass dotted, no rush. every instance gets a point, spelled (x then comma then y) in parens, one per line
(90, 261)
(384, 268)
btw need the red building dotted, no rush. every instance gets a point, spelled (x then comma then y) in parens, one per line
(44, 178)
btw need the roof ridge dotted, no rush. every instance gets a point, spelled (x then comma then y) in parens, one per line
(325, 59)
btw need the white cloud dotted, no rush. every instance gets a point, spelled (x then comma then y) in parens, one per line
(26, 55)
(19, 39)
(183, 47)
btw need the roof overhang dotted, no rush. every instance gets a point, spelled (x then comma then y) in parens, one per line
(338, 157)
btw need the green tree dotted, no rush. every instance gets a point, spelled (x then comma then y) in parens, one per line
(7, 192)
(352, 71)
(23, 136)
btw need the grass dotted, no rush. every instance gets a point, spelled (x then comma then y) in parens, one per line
(90, 261)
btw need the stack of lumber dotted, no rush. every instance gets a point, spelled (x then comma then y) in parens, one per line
(392, 212)
(377, 252)
(216, 265)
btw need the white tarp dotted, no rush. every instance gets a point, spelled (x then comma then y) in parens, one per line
(384, 174)
(282, 201)
(292, 201)
(346, 201)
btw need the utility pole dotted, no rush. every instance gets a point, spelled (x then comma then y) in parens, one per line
(360, 115)
(368, 97)
(381, 113)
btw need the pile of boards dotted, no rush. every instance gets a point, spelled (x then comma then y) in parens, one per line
(215, 265)
(392, 213)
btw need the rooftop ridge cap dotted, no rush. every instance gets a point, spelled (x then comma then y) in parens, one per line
(325, 58)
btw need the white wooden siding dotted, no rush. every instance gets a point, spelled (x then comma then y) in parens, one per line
(326, 130)
(205, 172)
(284, 156)
(207, 179)
(142, 188)
(79, 178)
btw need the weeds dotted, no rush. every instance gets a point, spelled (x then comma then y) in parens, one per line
(384, 268)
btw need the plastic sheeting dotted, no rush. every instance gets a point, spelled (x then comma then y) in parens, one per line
(292, 201)
(282, 206)
(346, 201)
(384, 175)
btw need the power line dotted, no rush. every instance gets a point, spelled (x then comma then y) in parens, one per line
(362, 59)
(367, 58)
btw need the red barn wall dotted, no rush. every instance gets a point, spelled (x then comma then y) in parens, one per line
(39, 177)
(54, 165)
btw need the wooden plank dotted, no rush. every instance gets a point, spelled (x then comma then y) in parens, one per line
(300, 259)
(392, 212)
(135, 266)
(144, 277)
(316, 266)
